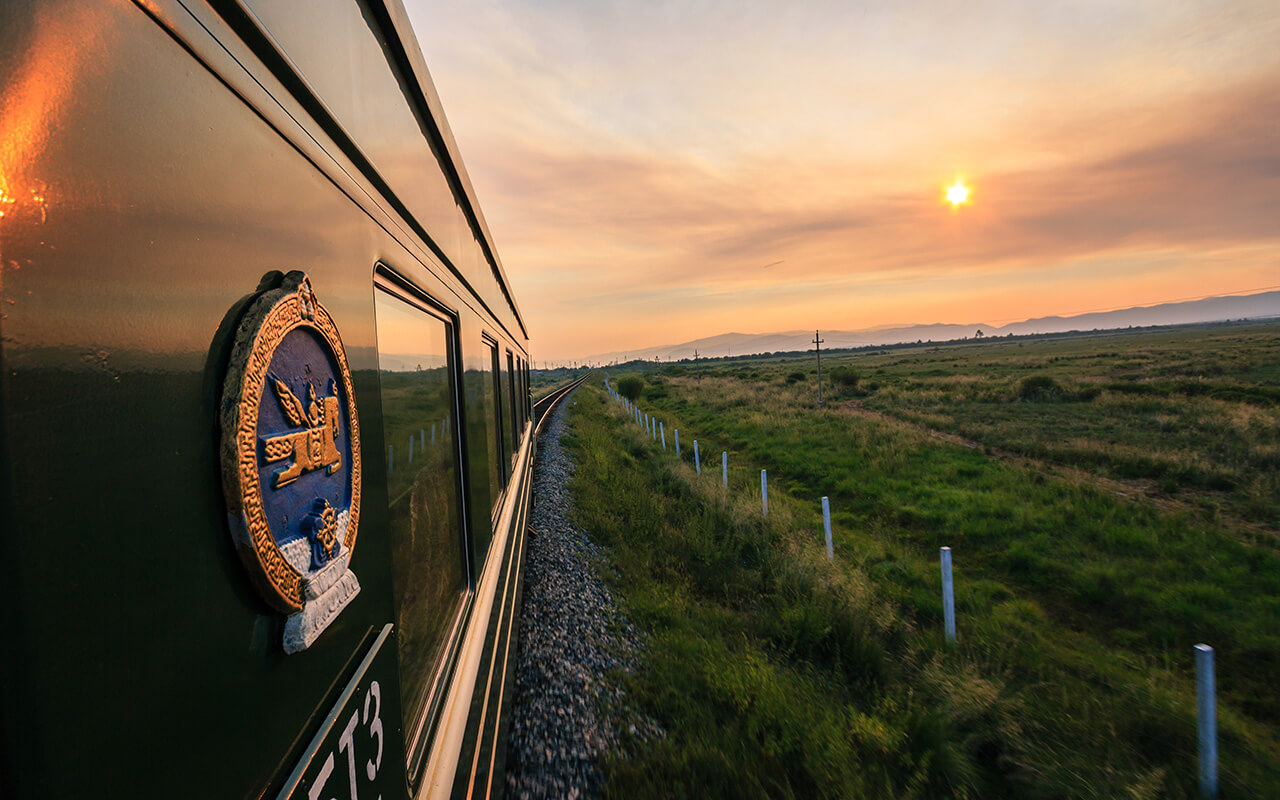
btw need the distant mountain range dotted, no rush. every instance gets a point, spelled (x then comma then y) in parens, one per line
(1212, 309)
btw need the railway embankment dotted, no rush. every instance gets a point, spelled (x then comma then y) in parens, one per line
(573, 645)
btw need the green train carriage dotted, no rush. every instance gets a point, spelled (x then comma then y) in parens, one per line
(266, 441)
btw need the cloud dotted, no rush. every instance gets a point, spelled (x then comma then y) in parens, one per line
(651, 161)
(1216, 179)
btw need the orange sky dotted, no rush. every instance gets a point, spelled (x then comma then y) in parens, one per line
(644, 165)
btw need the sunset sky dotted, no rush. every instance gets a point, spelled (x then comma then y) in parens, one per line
(654, 172)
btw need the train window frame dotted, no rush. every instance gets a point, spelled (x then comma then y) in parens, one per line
(499, 412)
(426, 720)
(528, 394)
(524, 407)
(493, 473)
(517, 430)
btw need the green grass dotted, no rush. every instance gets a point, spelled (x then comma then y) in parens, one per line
(778, 674)
(543, 382)
(1196, 412)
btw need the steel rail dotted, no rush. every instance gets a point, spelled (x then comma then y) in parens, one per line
(544, 405)
(485, 779)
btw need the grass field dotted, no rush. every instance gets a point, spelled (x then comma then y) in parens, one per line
(1107, 502)
(544, 381)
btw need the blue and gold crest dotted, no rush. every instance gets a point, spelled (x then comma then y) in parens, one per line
(291, 458)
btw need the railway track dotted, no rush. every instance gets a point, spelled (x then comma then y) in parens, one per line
(544, 405)
(573, 641)
(481, 775)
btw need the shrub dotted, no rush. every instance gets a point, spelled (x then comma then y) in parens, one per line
(845, 376)
(1043, 388)
(795, 377)
(1038, 387)
(630, 387)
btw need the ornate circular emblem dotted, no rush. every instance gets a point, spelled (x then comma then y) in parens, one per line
(291, 457)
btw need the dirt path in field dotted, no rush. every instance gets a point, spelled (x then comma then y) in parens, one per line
(1135, 490)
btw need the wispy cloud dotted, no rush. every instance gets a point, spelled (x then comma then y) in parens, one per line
(639, 167)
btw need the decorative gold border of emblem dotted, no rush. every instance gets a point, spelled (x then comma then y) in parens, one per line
(269, 319)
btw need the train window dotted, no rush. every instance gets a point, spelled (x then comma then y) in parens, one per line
(498, 409)
(509, 413)
(524, 390)
(517, 384)
(516, 427)
(417, 360)
(489, 402)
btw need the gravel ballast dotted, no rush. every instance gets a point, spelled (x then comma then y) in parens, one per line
(571, 637)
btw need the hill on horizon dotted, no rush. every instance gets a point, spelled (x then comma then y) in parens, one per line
(1210, 309)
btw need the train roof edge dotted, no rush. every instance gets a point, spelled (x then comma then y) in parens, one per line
(415, 64)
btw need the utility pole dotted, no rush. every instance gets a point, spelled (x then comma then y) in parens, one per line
(695, 365)
(818, 346)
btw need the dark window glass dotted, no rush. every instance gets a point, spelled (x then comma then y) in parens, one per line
(416, 364)
(511, 393)
(508, 412)
(498, 408)
(489, 401)
(524, 390)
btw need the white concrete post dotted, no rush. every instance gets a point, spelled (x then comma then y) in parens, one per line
(826, 527)
(422, 439)
(948, 597)
(724, 468)
(697, 464)
(662, 429)
(433, 435)
(677, 432)
(764, 491)
(1207, 717)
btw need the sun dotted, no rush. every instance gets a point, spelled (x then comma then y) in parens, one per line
(957, 193)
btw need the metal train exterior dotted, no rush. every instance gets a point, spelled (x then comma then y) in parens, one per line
(264, 443)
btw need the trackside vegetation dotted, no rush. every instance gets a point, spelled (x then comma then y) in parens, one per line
(776, 673)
